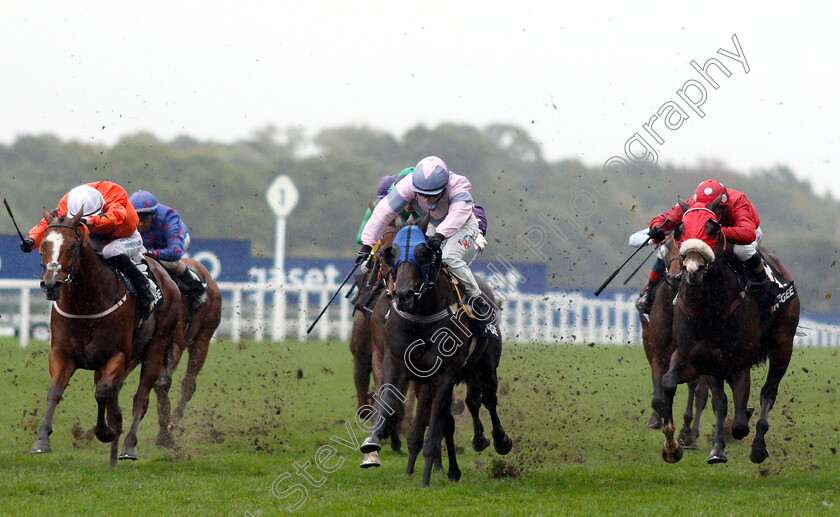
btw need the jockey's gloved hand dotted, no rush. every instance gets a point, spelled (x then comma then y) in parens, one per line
(657, 234)
(436, 241)
(363, 254)
(27, 244)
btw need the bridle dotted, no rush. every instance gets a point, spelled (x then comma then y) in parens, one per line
(78, 246)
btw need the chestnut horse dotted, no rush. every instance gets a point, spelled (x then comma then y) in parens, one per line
(94, 326)
(718, 330)
(659, 345)
(199, 326)
(428, 342)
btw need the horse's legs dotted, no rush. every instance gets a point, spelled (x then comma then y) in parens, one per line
(60, 370)
(701, 397)
(414, 440)
(479, 441)
(779, 358)
(360, 347)
(740, 385)
(149, 372)
(454, 472)
(686, 437)
(198, 351)
(718, 455)
(664, 405)
(108, 380)
(489, 384)
(384, 405)
(440, 408)
(115, 422)
(162, 386)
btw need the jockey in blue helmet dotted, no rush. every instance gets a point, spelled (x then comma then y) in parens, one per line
(165, 238)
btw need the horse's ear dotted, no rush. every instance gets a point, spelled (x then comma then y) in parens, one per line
(424, 223)
(716, 203)
(78, 217)
(678, 231)
(682, 204)
(399, 223)
(48, 216)
(712, 228)
(388, 257)
(371, 205)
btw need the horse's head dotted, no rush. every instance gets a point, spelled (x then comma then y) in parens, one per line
(413, 264)
(698, 235)
(61, 249)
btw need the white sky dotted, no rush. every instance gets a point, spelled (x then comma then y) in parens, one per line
(582, 79)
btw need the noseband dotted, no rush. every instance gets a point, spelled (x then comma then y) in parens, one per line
(78, 245)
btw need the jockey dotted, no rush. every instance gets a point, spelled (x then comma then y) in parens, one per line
(385, 183)
(453, 228)
(166, 239)
(113, 233)
(740, 226)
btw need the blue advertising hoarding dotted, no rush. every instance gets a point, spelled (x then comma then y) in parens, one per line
(231, 261)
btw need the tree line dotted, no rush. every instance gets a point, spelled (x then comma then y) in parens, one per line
(580, 215)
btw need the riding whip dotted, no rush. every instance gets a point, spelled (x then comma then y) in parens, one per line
(9, 209)
(346, 278)
(639, 266)
(614, 273)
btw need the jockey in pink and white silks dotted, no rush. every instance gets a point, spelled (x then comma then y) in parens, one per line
(445, 197)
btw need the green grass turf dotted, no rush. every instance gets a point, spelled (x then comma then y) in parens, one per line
(576, 414)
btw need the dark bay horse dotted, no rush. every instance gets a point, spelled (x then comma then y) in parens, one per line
(659, 345)
(428, 341)
(199, 326)
(94, 326)
(719, 331)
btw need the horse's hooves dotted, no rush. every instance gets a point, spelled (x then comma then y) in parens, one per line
(370, 445)
(750, 411)
(687, 439)
(128, 454)
(370, 460)
(740, 433)
(672, 456)
(41, 446)
(481, 444)
(105, 434)
(716, 457)
(454, 475)
(164, 439)
(396, 444)
(757, 456)
(457, 406)
(654, 422)
(503, 446)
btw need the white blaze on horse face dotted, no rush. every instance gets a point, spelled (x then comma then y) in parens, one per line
(57, 241)
(692, 262)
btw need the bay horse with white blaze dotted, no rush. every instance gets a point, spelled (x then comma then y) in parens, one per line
(719, 330)
(94, 326)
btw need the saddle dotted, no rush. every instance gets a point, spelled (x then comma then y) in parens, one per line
(772, 294)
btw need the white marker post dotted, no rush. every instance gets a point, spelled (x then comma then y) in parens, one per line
(282, 197)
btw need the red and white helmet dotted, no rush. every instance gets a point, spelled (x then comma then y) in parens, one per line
(709, 190)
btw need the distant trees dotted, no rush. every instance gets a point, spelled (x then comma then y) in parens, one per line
(220, 191)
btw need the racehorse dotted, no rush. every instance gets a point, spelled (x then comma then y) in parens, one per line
(429, 342)
(199, 326)
(94, 326)
(719, 330)
(658, 345)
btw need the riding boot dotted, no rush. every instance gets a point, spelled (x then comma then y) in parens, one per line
(645, 301)
(484, 321)
(196, 288)
(755, 269)
(146, 299)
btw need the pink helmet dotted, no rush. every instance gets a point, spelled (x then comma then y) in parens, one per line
(709, 190)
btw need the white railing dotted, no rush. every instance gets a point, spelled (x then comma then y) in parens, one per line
(249, 312)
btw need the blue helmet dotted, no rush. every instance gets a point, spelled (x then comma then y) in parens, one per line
(143, 202)
(430, 176)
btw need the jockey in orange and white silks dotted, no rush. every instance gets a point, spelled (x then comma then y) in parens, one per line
(112, 222)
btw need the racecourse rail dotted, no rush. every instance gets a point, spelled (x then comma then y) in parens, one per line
(249, 312)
